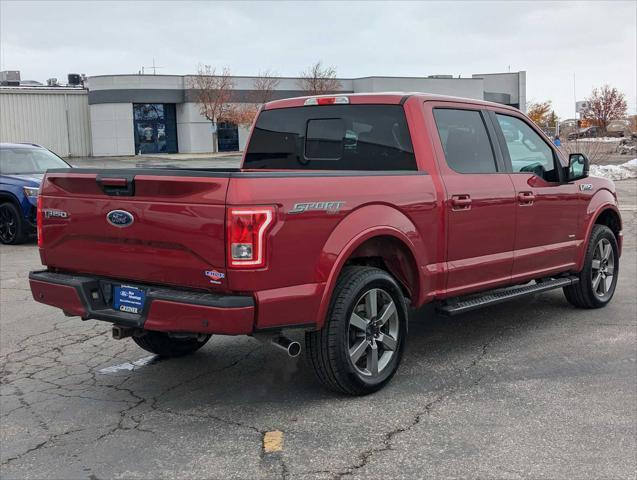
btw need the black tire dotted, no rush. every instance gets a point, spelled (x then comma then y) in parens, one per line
(12, 229)
(583, 294)
(162, 344)
(328, 350)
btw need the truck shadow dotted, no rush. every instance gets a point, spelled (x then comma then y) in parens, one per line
(239, 372)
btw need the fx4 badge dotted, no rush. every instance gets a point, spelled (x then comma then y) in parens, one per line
(329, 207)
(585, 186)
(214, 276)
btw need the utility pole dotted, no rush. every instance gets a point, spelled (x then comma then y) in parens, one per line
(574, 96)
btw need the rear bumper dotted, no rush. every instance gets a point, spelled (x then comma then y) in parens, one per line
(166, 309)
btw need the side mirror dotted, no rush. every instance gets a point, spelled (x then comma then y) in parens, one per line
(578, 167)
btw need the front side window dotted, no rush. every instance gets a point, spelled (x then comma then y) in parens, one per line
(331, 137)
(465, 141)
(528, 152)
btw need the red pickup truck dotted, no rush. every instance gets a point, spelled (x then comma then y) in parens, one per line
(347, 212)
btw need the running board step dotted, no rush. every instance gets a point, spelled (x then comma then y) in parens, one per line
(493, 297)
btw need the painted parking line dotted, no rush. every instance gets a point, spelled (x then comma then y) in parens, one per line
(129, 366)
(273, 441)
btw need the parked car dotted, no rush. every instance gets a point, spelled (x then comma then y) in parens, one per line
(619, 128)
(567, 127)
(588, 132)
(347, 212)
(22, 167)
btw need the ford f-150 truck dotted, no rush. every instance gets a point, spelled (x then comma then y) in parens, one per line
(347, 212)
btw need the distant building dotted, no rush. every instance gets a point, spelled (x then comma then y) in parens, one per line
(55, 117)
(133, 114)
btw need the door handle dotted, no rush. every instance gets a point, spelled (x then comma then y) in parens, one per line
(461, 202)
(526, 198)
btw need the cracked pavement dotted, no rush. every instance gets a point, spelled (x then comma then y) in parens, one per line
(529, 389)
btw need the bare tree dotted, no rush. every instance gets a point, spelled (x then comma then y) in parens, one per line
(596, 151)
(213, 93)
(263, 88)
(317, 80)
(605, 104)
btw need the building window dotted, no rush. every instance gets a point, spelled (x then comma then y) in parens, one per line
(228, 137)
(155, 128)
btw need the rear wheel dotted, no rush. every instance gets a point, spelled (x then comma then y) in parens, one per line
(598, 278)
(360, 347)
(164, 345)
(11, 225)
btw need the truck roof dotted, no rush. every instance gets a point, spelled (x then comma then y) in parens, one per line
(387, 98)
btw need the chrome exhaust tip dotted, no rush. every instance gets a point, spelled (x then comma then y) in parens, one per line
(292, 348)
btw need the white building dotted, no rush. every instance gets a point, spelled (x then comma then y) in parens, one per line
(54, 117)
(146, 114)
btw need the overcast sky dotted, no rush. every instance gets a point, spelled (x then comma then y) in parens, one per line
(596, 41)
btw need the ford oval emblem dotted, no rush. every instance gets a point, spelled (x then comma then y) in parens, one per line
(120, 218)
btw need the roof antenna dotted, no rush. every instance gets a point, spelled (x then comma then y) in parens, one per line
(153, 66)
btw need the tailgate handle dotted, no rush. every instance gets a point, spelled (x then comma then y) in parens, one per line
(117, 186)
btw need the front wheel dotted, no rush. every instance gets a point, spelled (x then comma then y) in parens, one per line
(160, 343)
(361, 344)
(598, 278)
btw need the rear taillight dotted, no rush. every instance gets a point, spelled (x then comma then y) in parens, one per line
(247, 228)
(39, 217)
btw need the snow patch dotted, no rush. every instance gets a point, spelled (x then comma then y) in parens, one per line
(599, 139)
(129, 366)
(616, 172)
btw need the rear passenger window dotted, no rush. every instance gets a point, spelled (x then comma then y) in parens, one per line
(465, 141)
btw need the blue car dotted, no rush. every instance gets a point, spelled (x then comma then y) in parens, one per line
(22, 167)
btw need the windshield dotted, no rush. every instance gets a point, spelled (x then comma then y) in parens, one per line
(21, 161)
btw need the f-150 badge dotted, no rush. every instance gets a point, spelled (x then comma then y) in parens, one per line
(51, 213)
(329, 207)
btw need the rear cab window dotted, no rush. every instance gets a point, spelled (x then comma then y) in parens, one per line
(332, 137)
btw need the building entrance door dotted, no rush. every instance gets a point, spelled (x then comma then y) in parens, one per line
(228, 137)
(155, 128)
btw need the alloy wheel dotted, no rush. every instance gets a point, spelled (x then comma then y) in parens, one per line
(374, 327)
(8, 225)
(603, 268)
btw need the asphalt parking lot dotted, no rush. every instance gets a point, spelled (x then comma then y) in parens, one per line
(530, 389)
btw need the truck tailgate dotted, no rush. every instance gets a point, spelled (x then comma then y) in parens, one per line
(176, 235)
